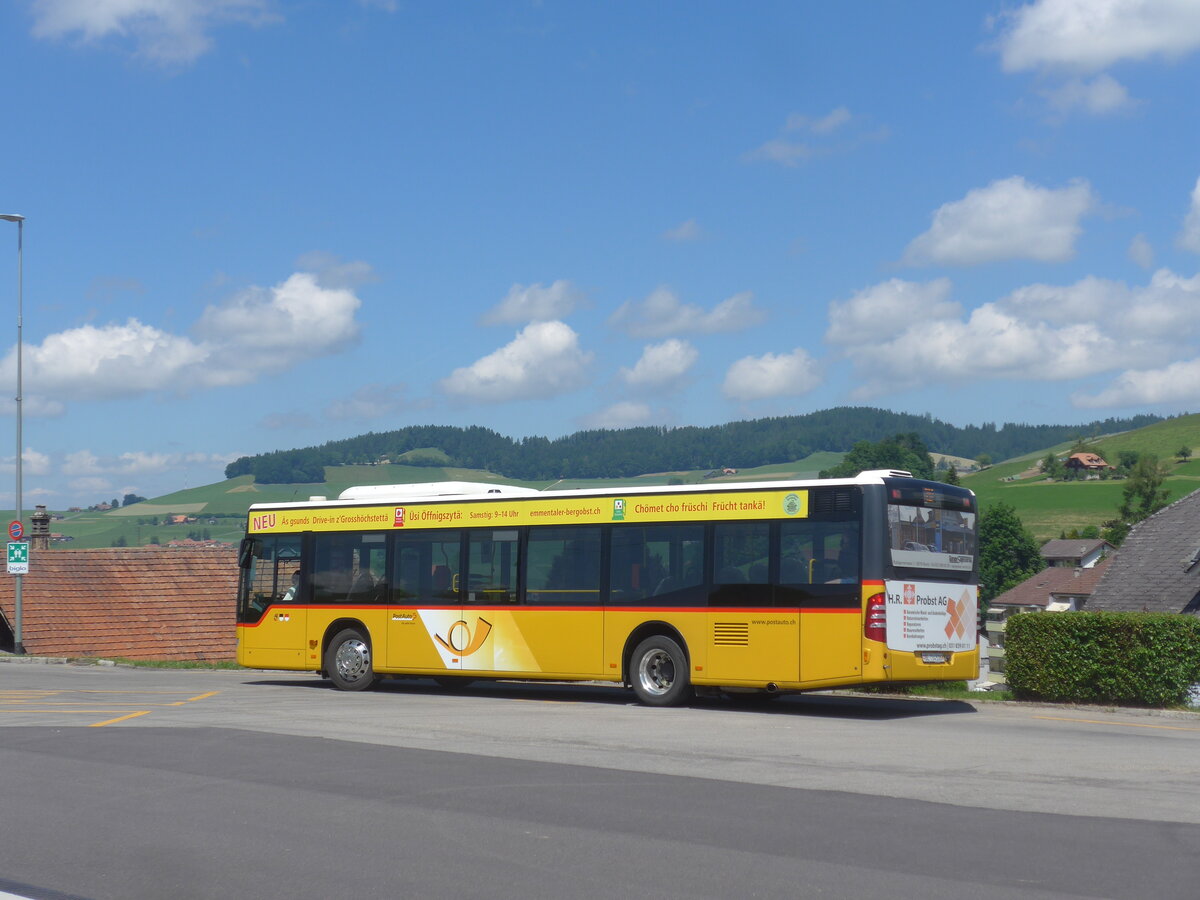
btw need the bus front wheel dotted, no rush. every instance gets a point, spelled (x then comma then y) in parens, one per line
(348, 661)
(659, 672)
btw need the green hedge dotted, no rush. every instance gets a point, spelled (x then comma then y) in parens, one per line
(1127, 659)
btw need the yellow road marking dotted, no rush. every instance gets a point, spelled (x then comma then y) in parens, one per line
(91, 711)
(120, 719)
(202, 696)
(1120, 724)
(18, 702)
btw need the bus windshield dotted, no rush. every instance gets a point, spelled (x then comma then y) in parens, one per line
(929, 528)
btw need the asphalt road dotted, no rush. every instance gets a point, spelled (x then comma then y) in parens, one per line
(121, 783)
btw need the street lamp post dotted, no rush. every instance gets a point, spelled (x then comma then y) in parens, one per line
(18, 645)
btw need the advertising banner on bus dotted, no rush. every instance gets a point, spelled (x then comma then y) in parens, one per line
(927, 615)
(634, 508)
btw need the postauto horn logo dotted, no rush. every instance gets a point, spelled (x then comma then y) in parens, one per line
(460, 640)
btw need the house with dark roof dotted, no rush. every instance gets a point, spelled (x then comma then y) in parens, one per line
(1076, 553)
(1054, 589)
(135, 602)
(1157, 568)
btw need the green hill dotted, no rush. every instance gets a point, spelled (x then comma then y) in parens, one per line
(1046, 508)
(1050, 508)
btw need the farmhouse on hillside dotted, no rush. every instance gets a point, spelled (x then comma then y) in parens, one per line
(1087, 462)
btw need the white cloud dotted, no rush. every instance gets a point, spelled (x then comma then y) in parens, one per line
(1189, 237)
(543, 360)
(1039, 332)
(90, 485)
(1071, 38)
(990, 344)
(33, 405)
(625, 414)
(272, 329)
(1099, 96)
(804, 137)
(1160, 311)
(91, 363)
(880, 311)
(782, 151)
(1141, 252)
(1178, 382)
(333, 272)
(257, 331)
(371, 401)
(163, 31)
(683, 232)
(770, 375)
(536, 304)
(824, 125)
(1090, 35)
(661, 365)
(82, 463)
(1008, 219)
(662, 314)
(33, 462)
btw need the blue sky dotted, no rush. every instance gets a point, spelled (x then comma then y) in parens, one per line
(263, 224)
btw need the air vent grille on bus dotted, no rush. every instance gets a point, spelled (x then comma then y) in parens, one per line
(731, 634)
(825, 501)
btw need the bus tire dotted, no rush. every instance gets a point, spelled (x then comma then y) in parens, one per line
(348, 661)
(658, 671)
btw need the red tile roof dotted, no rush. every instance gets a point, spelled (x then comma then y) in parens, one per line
(138, 603)
(1088, 461)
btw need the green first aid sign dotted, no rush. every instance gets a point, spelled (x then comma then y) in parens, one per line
(18, 557)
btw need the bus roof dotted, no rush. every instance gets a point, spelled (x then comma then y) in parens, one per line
(474, 490)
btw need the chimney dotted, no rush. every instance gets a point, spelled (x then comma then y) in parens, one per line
(39, 535)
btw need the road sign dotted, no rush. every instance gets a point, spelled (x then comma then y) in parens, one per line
(16, 530)
(18, 557)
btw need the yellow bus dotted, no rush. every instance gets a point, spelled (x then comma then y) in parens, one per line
(761, 587)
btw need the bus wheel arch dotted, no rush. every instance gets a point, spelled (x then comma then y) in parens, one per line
(657, 665)
(347, 656)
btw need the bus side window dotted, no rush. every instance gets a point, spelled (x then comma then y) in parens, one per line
(814, 552)
(426, 568)
(492, 566)
(796, 563)
(664, 562)
(349, 568)
(563, 566)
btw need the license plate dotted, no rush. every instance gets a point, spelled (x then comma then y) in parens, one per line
(935, 657)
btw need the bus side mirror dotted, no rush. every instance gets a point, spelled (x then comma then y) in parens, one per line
(248, 551)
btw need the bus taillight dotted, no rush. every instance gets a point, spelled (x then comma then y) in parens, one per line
(875, 627)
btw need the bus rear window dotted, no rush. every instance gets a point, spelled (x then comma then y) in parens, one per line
(932, 530)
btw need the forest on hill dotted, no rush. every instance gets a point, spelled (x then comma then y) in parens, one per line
(628, 452)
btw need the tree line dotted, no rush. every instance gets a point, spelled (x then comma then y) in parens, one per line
(626, 452)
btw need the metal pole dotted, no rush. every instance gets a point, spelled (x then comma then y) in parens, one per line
(18, 645)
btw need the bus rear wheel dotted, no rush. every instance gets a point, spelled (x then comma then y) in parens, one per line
(659, 672)
(348, 661)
